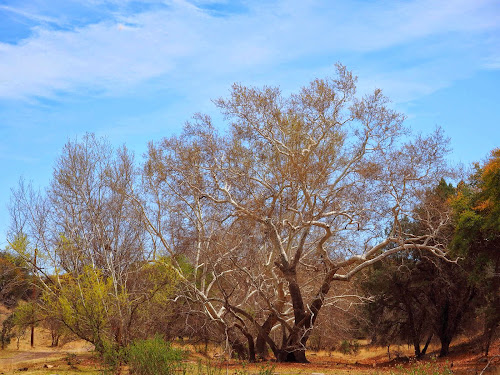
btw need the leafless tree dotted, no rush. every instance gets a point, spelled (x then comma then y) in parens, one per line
(83, 227)
(297, 194)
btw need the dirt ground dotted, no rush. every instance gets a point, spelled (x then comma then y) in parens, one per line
(77, 358)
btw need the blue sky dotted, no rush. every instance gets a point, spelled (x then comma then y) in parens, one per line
(135, 71)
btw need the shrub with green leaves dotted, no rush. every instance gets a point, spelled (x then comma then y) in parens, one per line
(154, 357)
(6, 334)
(113, 357)
(349, 347)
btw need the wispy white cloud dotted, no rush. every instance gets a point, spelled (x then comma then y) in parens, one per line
(183, 44)
(136, 70)
(26, 14)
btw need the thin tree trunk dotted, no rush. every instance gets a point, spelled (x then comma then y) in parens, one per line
(492, 318)
(424, 350)
(414, 335)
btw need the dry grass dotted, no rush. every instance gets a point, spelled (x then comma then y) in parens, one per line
(14, 358)
(369, 360)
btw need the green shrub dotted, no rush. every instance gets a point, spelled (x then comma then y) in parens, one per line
(112, 357)
(6, 334)
(349, 347)
(154, 357)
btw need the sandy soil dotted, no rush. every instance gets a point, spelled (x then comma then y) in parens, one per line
(464, 359)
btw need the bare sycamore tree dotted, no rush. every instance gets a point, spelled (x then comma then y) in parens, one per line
(82, 218)
(188, 229)
(87, 241)
(297, 194)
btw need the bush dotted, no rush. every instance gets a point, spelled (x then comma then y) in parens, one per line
(112, 357)
(6, 334)
(154, 357)
(349, 347)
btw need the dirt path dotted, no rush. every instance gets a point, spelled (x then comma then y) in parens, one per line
(10, 360)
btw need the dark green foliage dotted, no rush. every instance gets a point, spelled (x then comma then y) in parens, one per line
(14, 280)
(7, 331)
(417, 294)
(112, 356)
(477, 237)
(349, 347)
(397, 311)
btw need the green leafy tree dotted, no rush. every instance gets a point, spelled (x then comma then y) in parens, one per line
(397, 311)
(89, 307)
(417, 295)
(83, 304)
(477, 238)
(26, 315)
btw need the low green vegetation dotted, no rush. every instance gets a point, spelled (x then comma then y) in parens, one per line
(349, 347)
(154, 357)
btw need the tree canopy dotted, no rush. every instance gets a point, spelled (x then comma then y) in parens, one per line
(254, 223)
(477, 236)
(296, 194)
